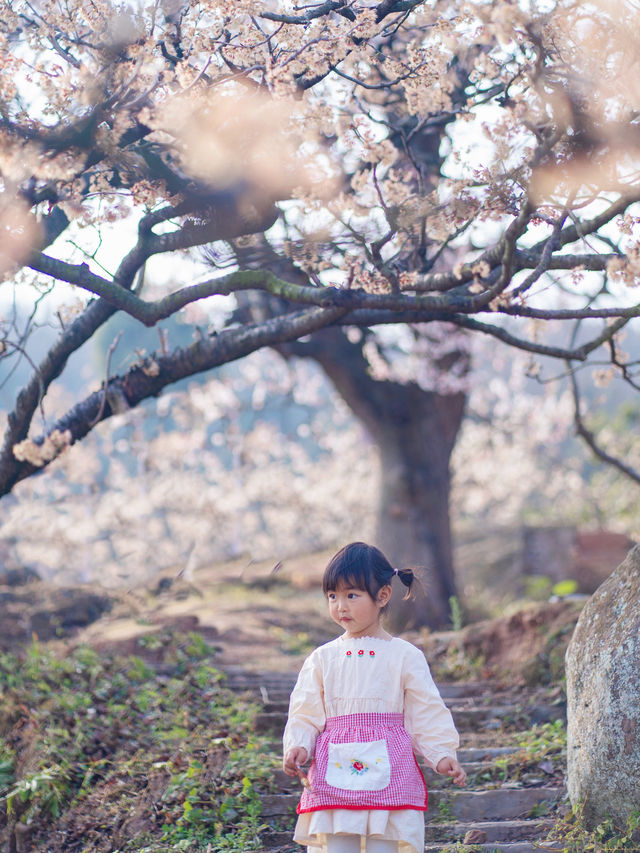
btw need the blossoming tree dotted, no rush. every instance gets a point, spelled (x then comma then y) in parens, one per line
(451, 165)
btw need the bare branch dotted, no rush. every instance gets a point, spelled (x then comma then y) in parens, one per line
(545, 258)
(527, 259)
(105, 384)
(19, 420)
(319, 11)
(591, 441)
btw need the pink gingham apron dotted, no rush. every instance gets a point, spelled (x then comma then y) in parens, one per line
(364, 761)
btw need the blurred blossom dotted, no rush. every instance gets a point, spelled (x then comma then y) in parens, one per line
(19, 232)
(592, 91)
(248, 144)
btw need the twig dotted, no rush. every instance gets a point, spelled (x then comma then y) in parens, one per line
(590, 439)
(37, 375)
(103, 402)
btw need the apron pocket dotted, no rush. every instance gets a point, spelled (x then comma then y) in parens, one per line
(359, 766)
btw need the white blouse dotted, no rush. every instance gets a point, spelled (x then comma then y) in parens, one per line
(390, 676)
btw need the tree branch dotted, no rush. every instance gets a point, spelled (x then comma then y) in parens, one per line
(403, 304)
(223, 222)
(368, 318)
(529, 259)
(147, 379)
(50, 368)
(320, 11)
(589, 438)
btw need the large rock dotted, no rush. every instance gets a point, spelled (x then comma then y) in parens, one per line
(603, 697)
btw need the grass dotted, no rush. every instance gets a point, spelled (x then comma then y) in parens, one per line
(143, 752)
(571, 835)
(539, 752)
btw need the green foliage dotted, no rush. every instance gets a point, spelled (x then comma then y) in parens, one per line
(537, 587)
(540, 750)
(153, 736)
(443, 813)
(299, 643)
(457, 616)
(570, 835)
(541, 587)
(565, 587)
(542, 740)
(547, 666)
(7, 763)
(456, 664)
(44, 791)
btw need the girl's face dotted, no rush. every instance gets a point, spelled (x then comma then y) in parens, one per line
(355, 611)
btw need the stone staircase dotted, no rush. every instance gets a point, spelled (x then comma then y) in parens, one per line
(487, 816)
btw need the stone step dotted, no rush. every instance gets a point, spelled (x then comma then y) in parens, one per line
(510, 842)
(496, 804)
(493, 847)
(484, 754)
(279, 696)
(468, 806)
(436, 780)
(282, 840)
(486, 739)
(490, 718)
(279, 838)
(282, 706)
(281, 684)
(433, 779)
(466, 755)
(494, 830)
(470, 712)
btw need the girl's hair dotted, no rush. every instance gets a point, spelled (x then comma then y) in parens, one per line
(362, 566)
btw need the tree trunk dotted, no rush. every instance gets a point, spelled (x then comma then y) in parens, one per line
(415, 432)
(413, 520)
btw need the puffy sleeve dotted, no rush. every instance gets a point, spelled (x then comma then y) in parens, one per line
(306, 707)
(426, 717)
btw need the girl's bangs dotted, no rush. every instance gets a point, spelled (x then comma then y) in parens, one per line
(350, 577)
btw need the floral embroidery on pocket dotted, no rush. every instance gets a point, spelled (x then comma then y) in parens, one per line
(358, 766)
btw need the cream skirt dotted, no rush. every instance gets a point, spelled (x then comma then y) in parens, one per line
(406, 826)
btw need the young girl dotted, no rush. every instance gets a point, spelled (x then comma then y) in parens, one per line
(362, 705)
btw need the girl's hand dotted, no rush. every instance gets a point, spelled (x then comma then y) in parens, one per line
(450, 767)
(294, 759)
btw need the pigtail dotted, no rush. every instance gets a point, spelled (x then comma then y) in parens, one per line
(407, 577)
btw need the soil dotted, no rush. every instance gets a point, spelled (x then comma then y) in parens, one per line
(526, 647)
